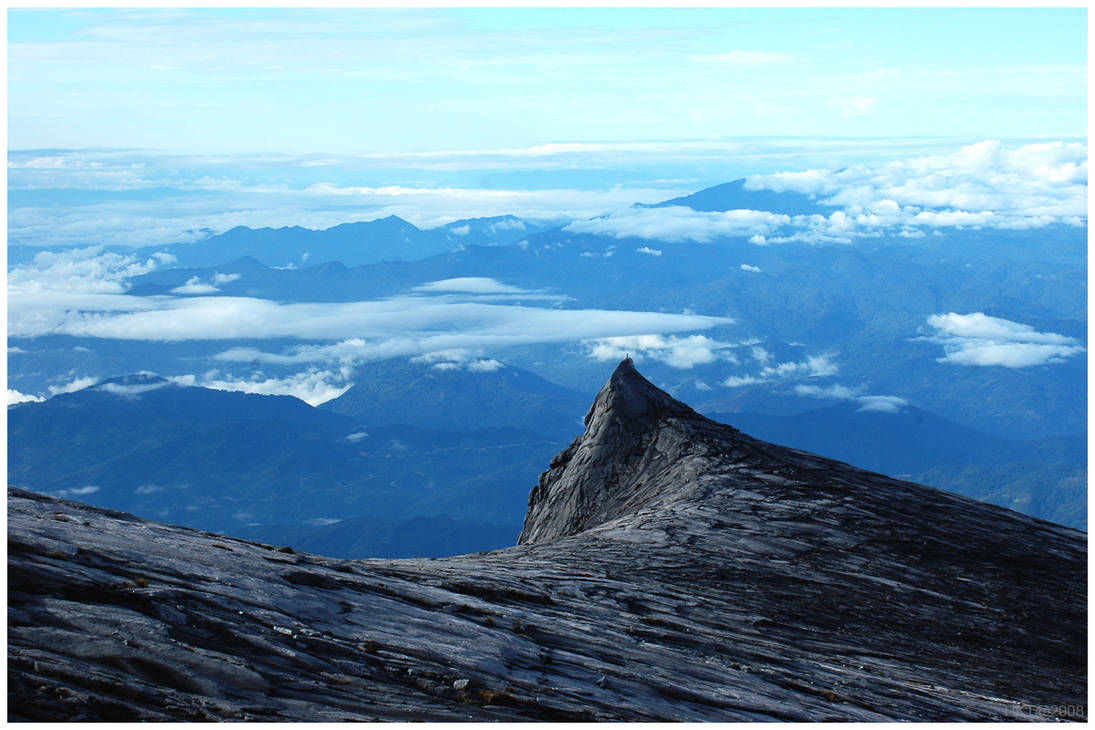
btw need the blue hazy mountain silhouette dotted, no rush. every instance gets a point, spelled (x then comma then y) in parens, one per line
(423, 395)
(735, 195)
(926, 448)
(353, 244)
(228, 461)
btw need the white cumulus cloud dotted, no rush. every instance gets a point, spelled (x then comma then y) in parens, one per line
(14, 396)
(987, 184)
(677, 352)
(194, 286)
(977, 339)
(86, 270)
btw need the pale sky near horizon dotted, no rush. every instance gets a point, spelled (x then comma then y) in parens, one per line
(386, 81)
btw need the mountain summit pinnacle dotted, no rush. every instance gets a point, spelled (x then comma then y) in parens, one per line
(627, 394)
(633, 430)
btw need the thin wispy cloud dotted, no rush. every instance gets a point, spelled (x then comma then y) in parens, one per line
(470, 285)
(75, 491)
(677, 223)
(869, 403)
(750, 58)
(394, 71)
(854, 106)
(313, 386)
(814, 366)
(74, 385)
(222, 318)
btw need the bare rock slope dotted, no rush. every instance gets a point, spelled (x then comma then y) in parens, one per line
(670, 568)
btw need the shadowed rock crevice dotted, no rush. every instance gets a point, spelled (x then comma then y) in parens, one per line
(671, 568)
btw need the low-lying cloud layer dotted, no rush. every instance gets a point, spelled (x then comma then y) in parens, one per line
(140, 198)
(676, 224)
(982, 185)
(313, 386)
(980, 340)
(456, 323)
(435, 323)
(470, 285)
(89, 270)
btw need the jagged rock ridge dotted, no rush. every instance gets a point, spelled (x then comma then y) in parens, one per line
(671, 568)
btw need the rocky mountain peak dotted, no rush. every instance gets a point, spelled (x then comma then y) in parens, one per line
(628, 396)
(634, 430)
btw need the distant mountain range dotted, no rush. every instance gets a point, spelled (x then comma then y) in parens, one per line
(270, 465)
(1039, 477)
(352, 244)
(1012, 435)
(451, 396)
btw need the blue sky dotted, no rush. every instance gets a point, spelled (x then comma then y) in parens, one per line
(136, 126)
(379, 81)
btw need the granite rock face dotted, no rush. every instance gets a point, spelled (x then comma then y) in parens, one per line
(671, 568)
(625, 460)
